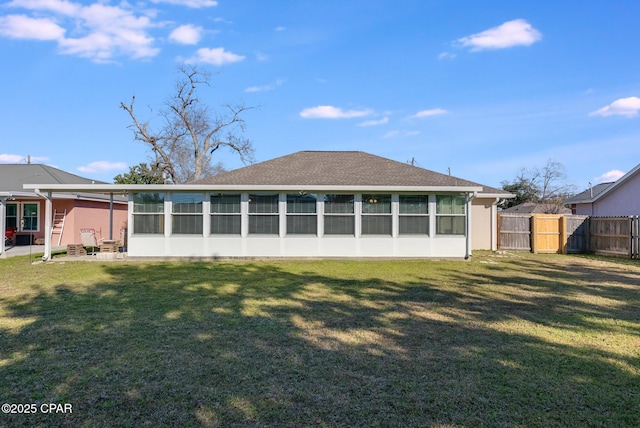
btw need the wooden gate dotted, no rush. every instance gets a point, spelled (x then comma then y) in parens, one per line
(547, 233)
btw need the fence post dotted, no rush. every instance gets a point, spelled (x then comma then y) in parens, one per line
(563, 234)
(534, 233)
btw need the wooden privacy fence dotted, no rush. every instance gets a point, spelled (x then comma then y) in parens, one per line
(558, 233)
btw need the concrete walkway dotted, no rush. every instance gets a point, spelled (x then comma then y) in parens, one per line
(25, 250)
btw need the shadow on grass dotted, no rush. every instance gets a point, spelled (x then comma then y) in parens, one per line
(327, 344)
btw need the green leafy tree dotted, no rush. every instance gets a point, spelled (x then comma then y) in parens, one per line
(141, 174)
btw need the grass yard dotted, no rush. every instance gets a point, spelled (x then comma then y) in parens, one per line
(502, 340)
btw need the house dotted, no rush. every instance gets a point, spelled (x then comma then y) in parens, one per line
(24, 213)
(534, 208)
(619, 198)
(310, 204)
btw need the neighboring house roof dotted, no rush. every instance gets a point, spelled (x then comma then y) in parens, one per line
(533, 208)
(601, 190)
(589, 195)
(339, 168)
(14, 176)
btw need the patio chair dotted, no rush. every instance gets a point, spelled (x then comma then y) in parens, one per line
(88, 239)
(10, 236)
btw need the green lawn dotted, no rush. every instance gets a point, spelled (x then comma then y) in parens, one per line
(502, 340)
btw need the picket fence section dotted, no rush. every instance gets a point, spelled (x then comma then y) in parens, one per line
(571, 234)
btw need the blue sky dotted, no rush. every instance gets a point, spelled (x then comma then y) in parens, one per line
(480, 89)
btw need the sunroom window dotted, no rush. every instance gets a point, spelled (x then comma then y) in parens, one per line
(187, 213)
(148, 213)
(376, 214)
(301, 214)
(225, 214)
(450, 215)
(339, 217)
(414, 215)
(263, 214)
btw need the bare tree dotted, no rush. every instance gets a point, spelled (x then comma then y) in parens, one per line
(190, 133)
(547, 186)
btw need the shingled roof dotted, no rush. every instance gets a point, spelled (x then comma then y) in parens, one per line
(14, 176)
(338, 168)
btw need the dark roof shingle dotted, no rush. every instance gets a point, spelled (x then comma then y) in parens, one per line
(337, 168)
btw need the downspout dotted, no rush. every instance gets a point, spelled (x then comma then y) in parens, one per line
(468, 199)
(494, 224)
(47, 223)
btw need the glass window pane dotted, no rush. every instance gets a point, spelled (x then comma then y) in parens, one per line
(263, 204)
(450, 204)
(302, 224)
(450, 225)
(338, 204)
(376, 204)
(376, 225)
(183, 203)
(339, 225)
(30, 210)
(298, 204)
(414, 204)
(148, 202)
(187, 224)
(414, 225)
(225, 203)
(264, 224)
(148, 224)
(225, 225)
(12, 216)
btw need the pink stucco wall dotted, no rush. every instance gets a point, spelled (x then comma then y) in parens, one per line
(80, 214)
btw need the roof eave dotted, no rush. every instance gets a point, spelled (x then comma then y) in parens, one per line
(128, 188)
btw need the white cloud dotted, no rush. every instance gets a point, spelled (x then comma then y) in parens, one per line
(628, 107)
(330, 112)
(512, 33)
(610, 176)
(400, 134)
(214, 56)
(194, 4)
(269, 87)
(427, 113)
(97, 31)
(446, 55)
(382, 121)
(280, 28)
(7, 158)
(102, 166)
(24, 27)
(186, 34)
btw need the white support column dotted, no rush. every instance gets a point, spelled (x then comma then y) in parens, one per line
(320, 214)
(282, 214)
(432, 215)
(357, 208)
(244, 215)
(206, 215)
(48, 223)
(395, 215)
(3, 221)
